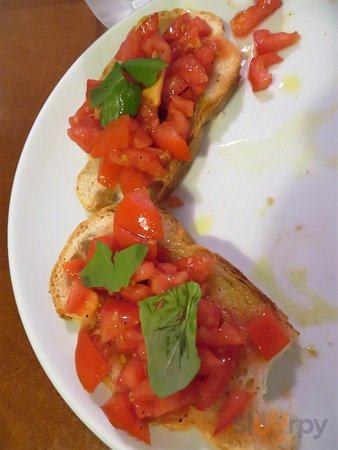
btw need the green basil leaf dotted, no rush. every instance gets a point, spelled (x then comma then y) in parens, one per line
(112, 105)
(116, 96)
(144, 70)
(102, 272)
(97, 95)
(127, 261)
(169, 326)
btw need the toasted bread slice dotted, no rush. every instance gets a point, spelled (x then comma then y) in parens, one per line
(223, 81)
(235, 293)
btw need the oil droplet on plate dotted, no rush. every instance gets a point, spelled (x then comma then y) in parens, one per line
(269, 201)
(317, 310)
(311, 351)
(290, 84)
(204, 223)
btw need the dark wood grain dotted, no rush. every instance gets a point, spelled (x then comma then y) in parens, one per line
(39, 40)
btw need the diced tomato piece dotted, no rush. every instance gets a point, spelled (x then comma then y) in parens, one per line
(177, 50)
(129, 341)
(115, 135)
(152, 251)
(179, 278)
(144, 272)
(81, 300)
(166, 137)
(259, 77)
(144, 409)
(84, 131)
(137, 214)
(109, 173)
(232, 409)
(208, 314)
(138, 137)
(200, 25)
(205, 55)
(131, 179)
(212, 386)
(245, 21)
(215, 43)
(167, 404)
(131, 375)
(156, 45)
(147, 116)
(199, 267)
(116, 317)
(142, 352)
(189, 94)
(84, 111)
(198, 90)
(173, 85)
(209, 362)
(174, 202)
(182, 104)
(190, 40)
(190, 69)
(166, 268)
(179, 121)
(267, 334)
(148, 27)
(107, 239)
(189, 394)
(74, 267)
(227, 334)
(266, 42)
(125, 238)
(177, 28)
(135, 293)
(130, 48)
(163, 254)
(142, 392)
(142, 159)
(91, 367)
(121, 415)
(157, 407)
(161, 282)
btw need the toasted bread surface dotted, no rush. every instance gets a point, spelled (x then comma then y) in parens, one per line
(234, 292)
(223, 81)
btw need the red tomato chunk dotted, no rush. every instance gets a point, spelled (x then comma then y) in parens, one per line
(267, 334)
(234, 407)
(259, 77)
(245, 21)
(266, 42)
(91, 367)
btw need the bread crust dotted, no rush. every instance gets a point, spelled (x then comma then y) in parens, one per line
(223, 81)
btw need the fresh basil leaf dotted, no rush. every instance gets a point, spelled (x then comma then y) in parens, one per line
(113, 103)
(97, 95)
(131, 100)
(127, 261)
(169, 326)
(102, 272)
(144, 70)
(116, 96)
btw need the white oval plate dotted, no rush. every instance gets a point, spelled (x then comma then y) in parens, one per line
(278, 145)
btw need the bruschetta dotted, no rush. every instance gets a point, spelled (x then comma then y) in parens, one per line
(180, 336)
(143, 122)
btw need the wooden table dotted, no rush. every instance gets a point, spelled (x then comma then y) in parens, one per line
(39, 41)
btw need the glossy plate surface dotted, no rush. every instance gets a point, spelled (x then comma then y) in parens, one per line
(263, 193)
